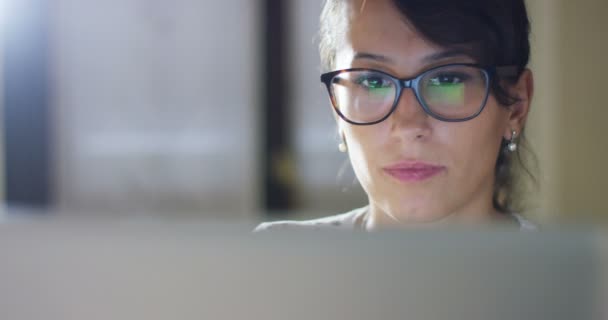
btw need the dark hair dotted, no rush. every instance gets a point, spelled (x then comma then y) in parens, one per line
(493, 32)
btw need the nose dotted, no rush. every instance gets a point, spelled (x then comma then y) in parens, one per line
(409, 119)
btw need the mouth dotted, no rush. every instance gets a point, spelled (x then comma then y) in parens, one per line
(413, 171)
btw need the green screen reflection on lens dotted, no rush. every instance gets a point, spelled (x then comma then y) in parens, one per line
(445, 94)
(380, 91)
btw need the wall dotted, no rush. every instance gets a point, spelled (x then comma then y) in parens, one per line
(569, 109)
(155, 106)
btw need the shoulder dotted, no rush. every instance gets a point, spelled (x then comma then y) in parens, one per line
(344, 221)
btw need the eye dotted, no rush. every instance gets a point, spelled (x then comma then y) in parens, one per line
(373, 82)
(449, 79)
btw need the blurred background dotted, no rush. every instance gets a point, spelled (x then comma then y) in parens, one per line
(213, 109)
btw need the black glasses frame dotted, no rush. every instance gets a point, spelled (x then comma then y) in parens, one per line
(413, 83)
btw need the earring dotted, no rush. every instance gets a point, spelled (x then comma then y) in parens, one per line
(342, 146)
(512, 146)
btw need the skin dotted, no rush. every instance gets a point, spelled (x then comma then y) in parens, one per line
(378, 37)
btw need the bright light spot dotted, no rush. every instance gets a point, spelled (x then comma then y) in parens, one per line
(4, 12)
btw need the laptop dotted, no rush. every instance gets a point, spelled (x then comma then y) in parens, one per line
(152, 269)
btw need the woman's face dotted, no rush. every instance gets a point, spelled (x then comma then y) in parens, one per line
(413, 167)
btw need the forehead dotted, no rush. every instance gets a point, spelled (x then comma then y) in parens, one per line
(378, 27)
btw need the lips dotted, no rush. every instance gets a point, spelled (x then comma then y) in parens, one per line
(413, 171)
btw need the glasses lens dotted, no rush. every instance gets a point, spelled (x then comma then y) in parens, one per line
(454, 92)
(363, 96)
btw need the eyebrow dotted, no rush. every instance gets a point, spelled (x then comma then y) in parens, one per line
(453, 53)
(372, 56)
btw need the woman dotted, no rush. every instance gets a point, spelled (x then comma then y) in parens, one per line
(430, 98)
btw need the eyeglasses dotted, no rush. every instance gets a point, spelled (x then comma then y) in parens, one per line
(452, 93)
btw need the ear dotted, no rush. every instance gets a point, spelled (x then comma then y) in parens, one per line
(518, 112)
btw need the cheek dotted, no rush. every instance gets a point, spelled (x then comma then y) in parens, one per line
(470, 152)
(474, 145)
(365, 148)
